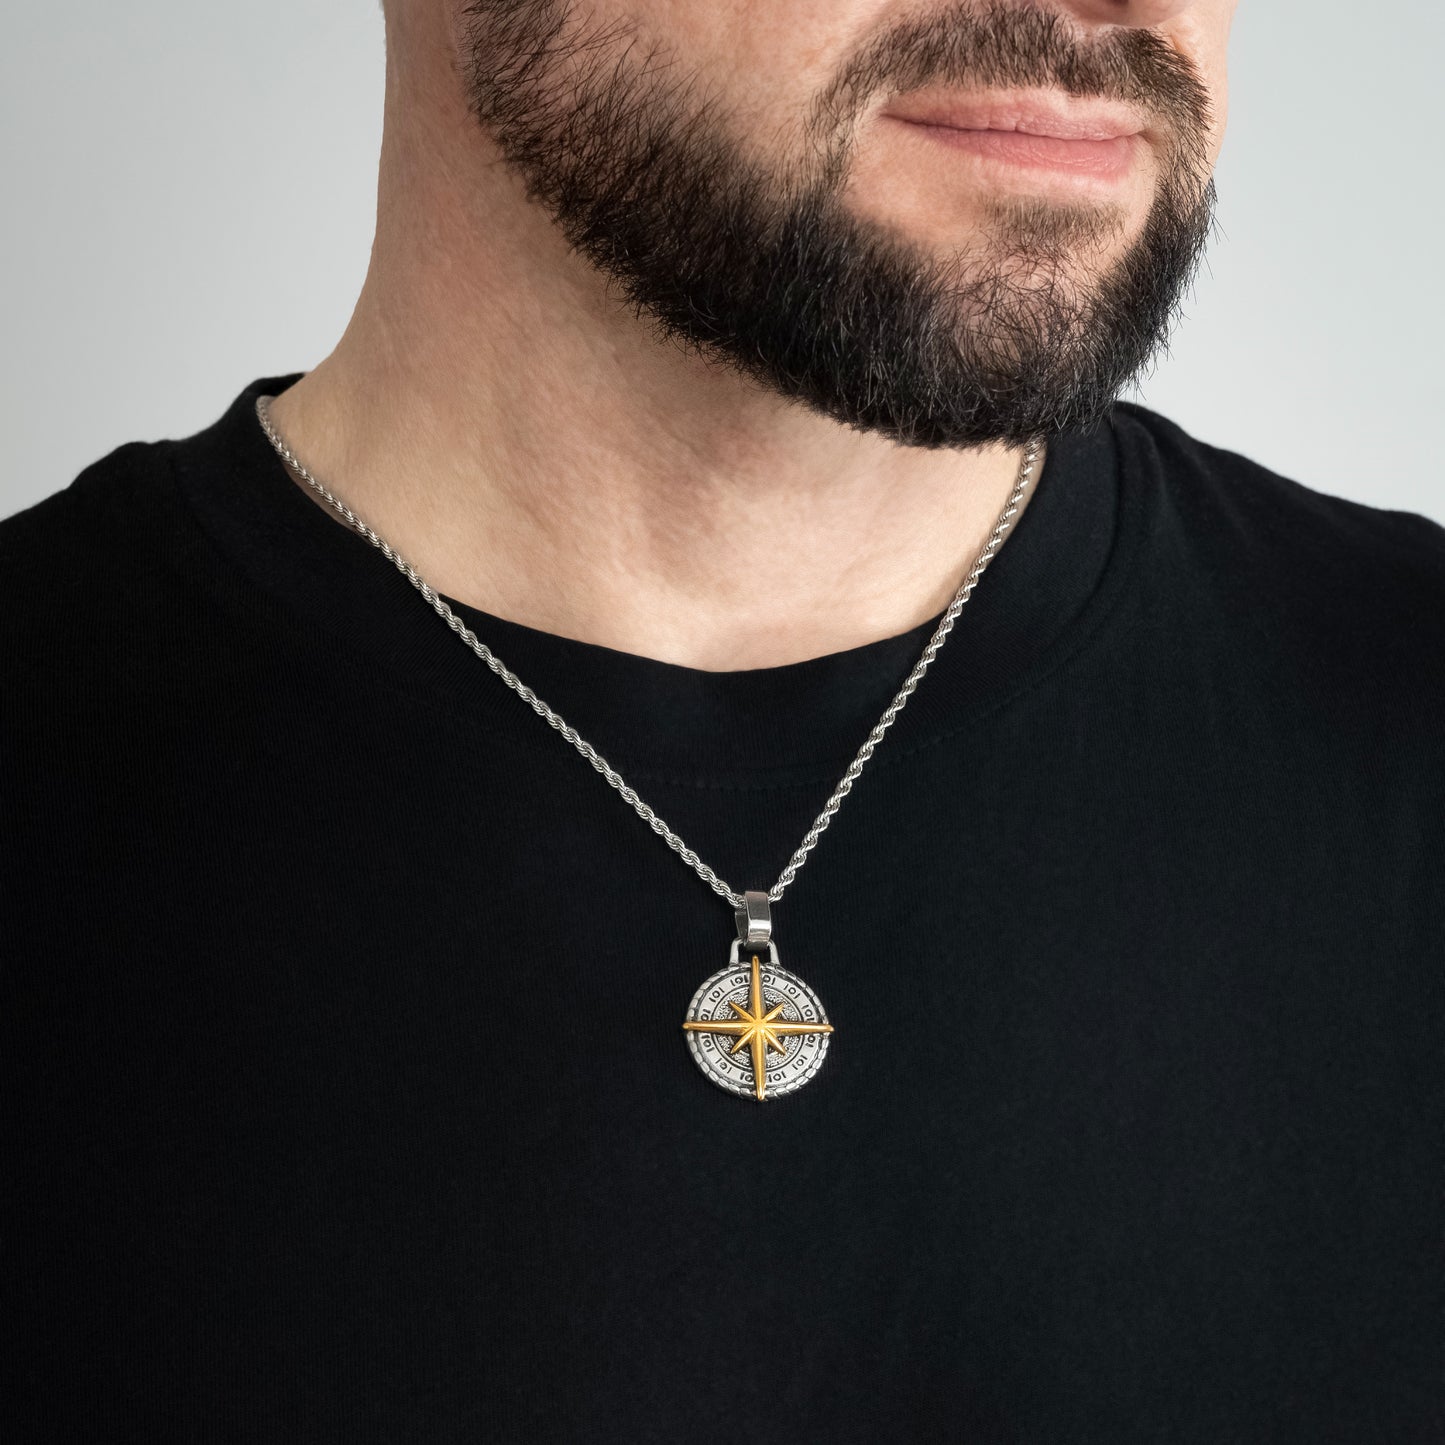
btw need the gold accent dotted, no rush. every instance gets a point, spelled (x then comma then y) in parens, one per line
(760, 1031)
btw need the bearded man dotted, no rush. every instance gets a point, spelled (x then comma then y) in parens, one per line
(709, 637)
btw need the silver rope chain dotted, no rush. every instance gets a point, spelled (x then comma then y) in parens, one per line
(554, 719)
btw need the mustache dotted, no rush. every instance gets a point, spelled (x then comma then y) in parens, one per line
(1004, 46)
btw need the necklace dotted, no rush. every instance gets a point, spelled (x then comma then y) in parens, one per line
(754, 1028)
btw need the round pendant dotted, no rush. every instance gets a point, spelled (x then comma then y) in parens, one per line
(755, 1029)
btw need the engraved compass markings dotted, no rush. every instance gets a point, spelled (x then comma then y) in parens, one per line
(758, 1030)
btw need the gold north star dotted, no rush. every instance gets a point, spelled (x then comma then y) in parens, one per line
(758, 1030)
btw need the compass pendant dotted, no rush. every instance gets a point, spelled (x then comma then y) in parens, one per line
(753, 1028)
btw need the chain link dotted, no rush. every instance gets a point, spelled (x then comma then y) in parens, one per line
(555, 720)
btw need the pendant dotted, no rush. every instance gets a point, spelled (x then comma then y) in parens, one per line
(753, 1028)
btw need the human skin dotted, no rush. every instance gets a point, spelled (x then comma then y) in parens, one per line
(535, 449)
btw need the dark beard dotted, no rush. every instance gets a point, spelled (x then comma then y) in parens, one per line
(767, 272)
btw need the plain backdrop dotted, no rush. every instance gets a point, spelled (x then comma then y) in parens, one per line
(189, 191)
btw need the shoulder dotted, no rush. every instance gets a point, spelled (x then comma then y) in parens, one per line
(122, 492)
(93, 566)
(1263, 517)
(1260, 535)
(1328, 612)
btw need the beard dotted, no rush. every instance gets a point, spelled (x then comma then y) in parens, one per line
(758, 265)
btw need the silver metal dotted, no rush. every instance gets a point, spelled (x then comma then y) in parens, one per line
(755, 919)
(734, 1071)
(598, 762)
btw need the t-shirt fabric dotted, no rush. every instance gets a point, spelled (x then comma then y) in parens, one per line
(347, 1093)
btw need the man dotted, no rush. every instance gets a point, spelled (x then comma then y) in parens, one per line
(387, 1064)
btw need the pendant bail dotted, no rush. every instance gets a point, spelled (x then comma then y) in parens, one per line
(755, 919)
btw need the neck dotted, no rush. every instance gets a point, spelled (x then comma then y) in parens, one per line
(537, 452)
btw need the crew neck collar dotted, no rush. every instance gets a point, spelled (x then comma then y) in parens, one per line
(659, 718)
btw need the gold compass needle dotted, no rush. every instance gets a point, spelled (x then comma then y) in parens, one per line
(756, 1030)
(760, 1060)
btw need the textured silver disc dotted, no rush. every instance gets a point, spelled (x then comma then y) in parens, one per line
(726, 998)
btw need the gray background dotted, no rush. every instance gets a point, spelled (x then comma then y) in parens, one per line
(190, 193)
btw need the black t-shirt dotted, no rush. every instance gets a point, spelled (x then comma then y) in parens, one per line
(344, 1065)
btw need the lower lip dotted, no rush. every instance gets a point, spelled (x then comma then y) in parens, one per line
(1107, 160)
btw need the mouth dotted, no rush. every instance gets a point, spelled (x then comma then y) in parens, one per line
(1043, 132)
